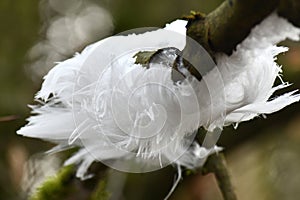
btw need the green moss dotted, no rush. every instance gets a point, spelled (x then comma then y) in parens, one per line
(100, 192)
(55, 187)
(194, 15)
(190, 172)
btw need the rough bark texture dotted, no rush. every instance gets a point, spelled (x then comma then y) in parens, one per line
(225, 27)
(229, 24)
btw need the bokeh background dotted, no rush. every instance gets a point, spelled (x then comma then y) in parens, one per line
(263, 154)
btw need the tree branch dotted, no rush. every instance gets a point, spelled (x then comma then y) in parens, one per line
(229, 24)
(216, 164)
(219, 31)
(64, 185)
(290, 9)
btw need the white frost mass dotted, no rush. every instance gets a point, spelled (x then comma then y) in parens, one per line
(114, 109)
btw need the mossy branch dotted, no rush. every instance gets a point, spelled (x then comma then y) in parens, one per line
(55, 187)
(230, 23)
(225, 27)
(64, 185)
(100, 193)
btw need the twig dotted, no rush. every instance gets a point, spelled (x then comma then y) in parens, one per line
(216, 164)
(8, 118)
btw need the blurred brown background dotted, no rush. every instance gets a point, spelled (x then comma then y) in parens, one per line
(263, 154)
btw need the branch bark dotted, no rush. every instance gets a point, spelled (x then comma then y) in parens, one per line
(225, 27)
(290, 9)
(216, 164)
(229, 24)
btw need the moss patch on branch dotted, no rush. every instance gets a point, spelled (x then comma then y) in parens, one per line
(56, 187)
(100, 191)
